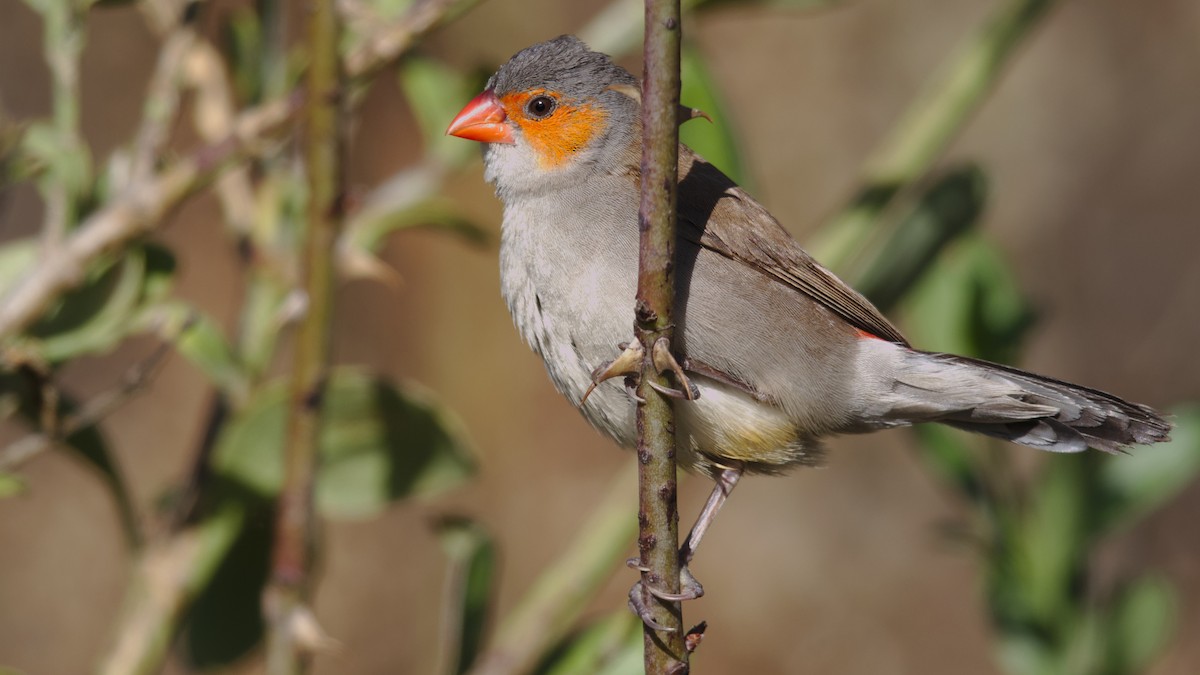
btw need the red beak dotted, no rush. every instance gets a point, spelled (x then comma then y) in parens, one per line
(482, 119)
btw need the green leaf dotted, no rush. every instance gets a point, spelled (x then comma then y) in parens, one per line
(893, 263)
(714, 141)
(87, 444)
(200, 340)
(225, 621)
(92, 317)
(1000, 314)
(243, 42)
(942, 449)
(1024, 654)
(16, 258)
(11, 485)
(1137, 484)
(436, 92)
(95, 317)
(969, 303)
(472, 570)
(62, 159)
(1142, 620)
(379, 442)
(160, 273)
(627, 658)
(1053, 537)
(602, 645)
(403, 202)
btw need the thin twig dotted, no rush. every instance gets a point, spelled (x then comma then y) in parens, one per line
(289, 587)
(161, 105)
(380, 48)
(658, 517)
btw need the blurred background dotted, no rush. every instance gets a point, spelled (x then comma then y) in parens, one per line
(1090, 144)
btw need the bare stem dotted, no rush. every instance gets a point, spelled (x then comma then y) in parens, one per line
(658, 517)
(291, 564)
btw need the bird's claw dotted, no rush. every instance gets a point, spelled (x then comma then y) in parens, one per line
(689, 589)
(637, 605)
(628, 362)
(690, 395)
(664, 361)
(636, 563)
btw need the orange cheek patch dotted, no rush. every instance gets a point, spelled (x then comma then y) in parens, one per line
(555, 139)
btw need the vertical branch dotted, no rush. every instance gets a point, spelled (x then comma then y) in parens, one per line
(291, 625)
(658, 518)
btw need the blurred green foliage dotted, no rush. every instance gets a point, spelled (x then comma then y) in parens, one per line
(469, 585)
(380, 442)
(1036, 533)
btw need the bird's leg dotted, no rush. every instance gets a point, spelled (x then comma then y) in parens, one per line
(690, 588)
(726, 481)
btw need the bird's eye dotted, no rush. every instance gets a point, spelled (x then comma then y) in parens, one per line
(540, 106)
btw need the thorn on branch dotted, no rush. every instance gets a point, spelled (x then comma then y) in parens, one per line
(694, 636)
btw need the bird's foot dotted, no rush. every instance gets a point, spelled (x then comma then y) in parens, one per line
(628, 363)
(640, 594)
(665, 361)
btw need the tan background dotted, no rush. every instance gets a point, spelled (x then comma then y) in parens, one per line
(1092, 145)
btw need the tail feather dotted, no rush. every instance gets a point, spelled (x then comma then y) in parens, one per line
(1022, 407)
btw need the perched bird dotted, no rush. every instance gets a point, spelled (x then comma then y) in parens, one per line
(781, 352)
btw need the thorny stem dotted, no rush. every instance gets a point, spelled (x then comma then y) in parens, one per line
(291, 564)
(658, 517)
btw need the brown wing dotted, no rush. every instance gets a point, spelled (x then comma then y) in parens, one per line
(718, 215)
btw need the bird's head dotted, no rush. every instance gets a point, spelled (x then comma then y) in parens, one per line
(555, 111)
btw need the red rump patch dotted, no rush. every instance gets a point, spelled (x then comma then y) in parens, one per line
(865, 335)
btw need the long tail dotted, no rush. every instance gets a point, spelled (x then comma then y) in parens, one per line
(1018, 406)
